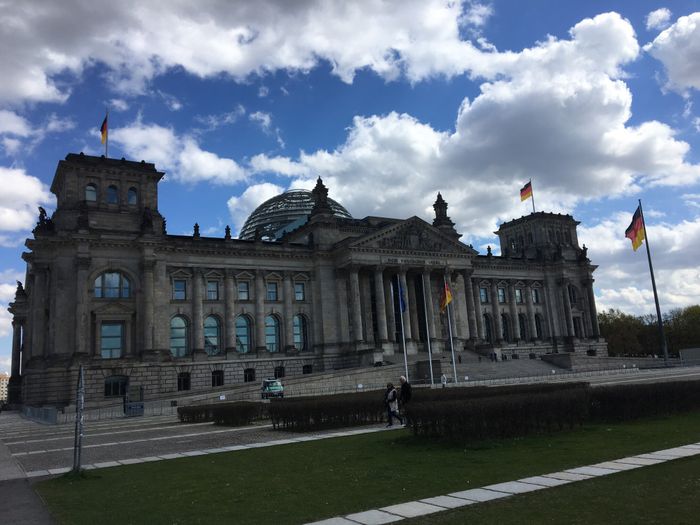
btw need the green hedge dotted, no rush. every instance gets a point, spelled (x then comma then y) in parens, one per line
(342, 410)
(233, 414)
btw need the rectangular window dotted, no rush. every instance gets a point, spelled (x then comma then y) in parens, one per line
(249, 375)
(272, 291)
(212, 290)
(299, 292)
(243, 292)
(535, 296)
(179, 289)
(501, 295)
(279, 372)
(518, 295)
(217, 378)
(111, 340)
(484, 295)
(183, 381)
(307, 369)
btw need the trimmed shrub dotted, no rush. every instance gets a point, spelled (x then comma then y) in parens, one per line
(234, 414)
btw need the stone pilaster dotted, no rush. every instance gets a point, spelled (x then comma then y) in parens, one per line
(567, 308)
(288, 291)
(405, 315)
(341, 286)
(471, 309)
(230, 309)
(260, 312)
(530, 312)
(429, 303)
(355, 305)
(514, 321)
(593, 312)
(496, 313)
(81, 301)
(381, 305)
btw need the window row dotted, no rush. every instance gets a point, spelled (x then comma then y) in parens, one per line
(507, 333)
(485, 295)
(213, 291)
(112, 195)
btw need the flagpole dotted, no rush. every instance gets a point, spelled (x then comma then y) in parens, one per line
(427, 330)
(449, 326)
(653, 286)
(403, 333)
(532, 193)
(107, 136)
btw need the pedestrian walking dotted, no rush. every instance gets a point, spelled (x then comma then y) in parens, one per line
(443, 380)
(404, 397)
(391, 399)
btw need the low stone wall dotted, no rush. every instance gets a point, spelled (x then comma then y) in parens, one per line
(580, 363)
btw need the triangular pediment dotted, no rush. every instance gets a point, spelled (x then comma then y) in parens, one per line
(412, 235)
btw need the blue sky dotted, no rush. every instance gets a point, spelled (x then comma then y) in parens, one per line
(390, 102)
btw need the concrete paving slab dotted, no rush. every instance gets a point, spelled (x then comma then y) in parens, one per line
(545, 481)
(106, 464)
(592, 471)
(680, 452)
(56, 471)
(448, 502)
(614, 465)
(373, 517)
(657, 455)
(514, 487)
(233, 448)
(134, 461)
(38, 473)
(174, 455)
(412, 509)
(568, 476)
(193, 453)
(9, 468)
(636, 460)
(334, 521)
(148, 459)
(479, 494)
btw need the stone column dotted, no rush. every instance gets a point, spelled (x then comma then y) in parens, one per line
(380, 304)
(147, 305)
(38, 296)
(16, 346)
(513, 312)
(471, 308)
(343, 316)
(530, 312)
(480, 331)
(260, 312)
(389, 304)
(82, 324)
(230, 306)
(288, 312)
(496, 313)
(355, 303)
(592, 308)
(412, 307)
(405, 315)
(197, 320)
(429, 305)
(567, 308)
(459, 299)
(366, 308)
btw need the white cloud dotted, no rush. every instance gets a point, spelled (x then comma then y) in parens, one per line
(8, 286)
(264, 120)
(212, 122)
(570, 135)
(13, 124)
(119, 104)
(16, 132)
(171, 101)
(263, 91)
(20, 198)
(180, 156)
(678, 49)
(242, 206)
(139, 40)
(658, 19)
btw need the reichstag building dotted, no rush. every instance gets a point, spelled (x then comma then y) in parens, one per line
(305, 288)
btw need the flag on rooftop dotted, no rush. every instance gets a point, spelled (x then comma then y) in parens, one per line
(103, 129)
(526, 191)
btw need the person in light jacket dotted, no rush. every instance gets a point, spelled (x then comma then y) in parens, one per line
(391, 399)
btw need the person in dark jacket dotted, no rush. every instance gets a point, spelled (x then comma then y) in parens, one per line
(404, 397)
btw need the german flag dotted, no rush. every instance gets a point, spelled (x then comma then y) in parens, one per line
(526, 192)
(446, 298)
(635, 231)
(103, 129)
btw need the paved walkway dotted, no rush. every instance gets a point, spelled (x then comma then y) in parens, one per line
(22, 505)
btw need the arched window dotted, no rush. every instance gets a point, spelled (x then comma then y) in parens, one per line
(538, 325)
(522, 321)
(272, 333)
(178, 336)
(243, 334)
(212, 335)
(111, 285)
(505, 327)
(301, 339)
(91, 193)
(132, 197)
(488, 333)
(112, 195)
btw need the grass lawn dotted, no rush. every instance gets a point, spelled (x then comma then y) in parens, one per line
(310, 481)
(662, 494)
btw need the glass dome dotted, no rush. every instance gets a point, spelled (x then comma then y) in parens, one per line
(283, 213)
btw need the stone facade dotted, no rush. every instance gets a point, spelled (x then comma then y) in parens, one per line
(151, 314)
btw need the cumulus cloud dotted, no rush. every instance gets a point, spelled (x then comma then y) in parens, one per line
(180, 156)
(678, 49)
(138, 40)
(16, 132)
(241, 207)
(8, 286)
(264, 120)
(212, 122)
(658, 19)
(20, 198)
(570, 135)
